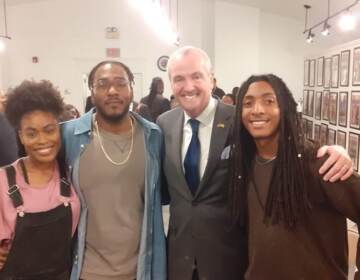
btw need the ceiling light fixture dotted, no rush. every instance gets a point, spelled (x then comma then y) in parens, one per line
(326, 29)
(310, 37)
(347, 21)
(5, 35)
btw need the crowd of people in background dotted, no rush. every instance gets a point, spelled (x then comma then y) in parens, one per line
(149, 107)
(81, 195)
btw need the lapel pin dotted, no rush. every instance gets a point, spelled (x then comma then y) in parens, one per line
(220, 125)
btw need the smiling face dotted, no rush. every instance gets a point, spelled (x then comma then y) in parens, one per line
(261, 112)
(40, 134)
(112, 93)
(191, 82)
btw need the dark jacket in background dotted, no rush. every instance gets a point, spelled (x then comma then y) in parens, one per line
(159, 105)
(8, 142)
(218, 92)
(142, 110)
(88, 104)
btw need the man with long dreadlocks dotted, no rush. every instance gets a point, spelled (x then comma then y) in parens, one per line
(201, 244)
(296, 221)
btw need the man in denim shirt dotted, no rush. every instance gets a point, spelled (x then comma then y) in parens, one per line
(114, 162)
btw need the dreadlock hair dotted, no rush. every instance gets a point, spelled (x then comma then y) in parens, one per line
(288, 196)
(112, 62)
(153, 90)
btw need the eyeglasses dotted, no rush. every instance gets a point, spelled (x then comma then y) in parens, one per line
(105, 85)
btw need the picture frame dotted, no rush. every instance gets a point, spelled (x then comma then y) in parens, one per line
(327, 72)
(356, 67)
(317, 132)
(341, 138)
(320, 71)
(331, 137)
(312, 73)
(306, 72)
(325, 105)
(344, 68)
(335, 71)
(333, 107)
(343, 108)
(303, 125)
(317, 113)
(353, 149)
(305, 102)
(310, 109)
(355, 109)
(309, 129)
(323, 134)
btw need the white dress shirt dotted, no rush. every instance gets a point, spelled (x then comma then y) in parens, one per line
(206, 119)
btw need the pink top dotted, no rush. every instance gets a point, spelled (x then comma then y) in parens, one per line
(39, 199)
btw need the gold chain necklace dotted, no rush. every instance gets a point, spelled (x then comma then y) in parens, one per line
(103, 148)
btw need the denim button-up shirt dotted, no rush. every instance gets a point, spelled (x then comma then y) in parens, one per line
(76, 134)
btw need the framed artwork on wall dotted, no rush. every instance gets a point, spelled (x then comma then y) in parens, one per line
(305, 102)
(320, 71)
(327, 72)
(354, 149)
(341, 138)
(344, 68)
(317, 132)
(310, 109)
(343, 108)
(306, 72)
(356, 67)
(317, 114)
(309, 129)
(312, 73)
(335, 71)
(323, 134)
(303, 125)
(333, 107)
(325, 106)
(331, 139)
(355, 109)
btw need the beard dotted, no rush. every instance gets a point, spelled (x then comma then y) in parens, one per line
(114, 118)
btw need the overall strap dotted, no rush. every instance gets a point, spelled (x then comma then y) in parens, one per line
(13, 190)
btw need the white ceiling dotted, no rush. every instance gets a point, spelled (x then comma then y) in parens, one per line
(295, 8)
(289, 8)
(318, 12)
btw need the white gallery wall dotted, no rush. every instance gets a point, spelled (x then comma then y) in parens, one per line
(237, 43)
(68, 37)
(251, 41)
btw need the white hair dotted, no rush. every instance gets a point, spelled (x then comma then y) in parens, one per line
(183, 51)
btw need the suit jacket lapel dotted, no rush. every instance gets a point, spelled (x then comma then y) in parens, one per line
(219, 135)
